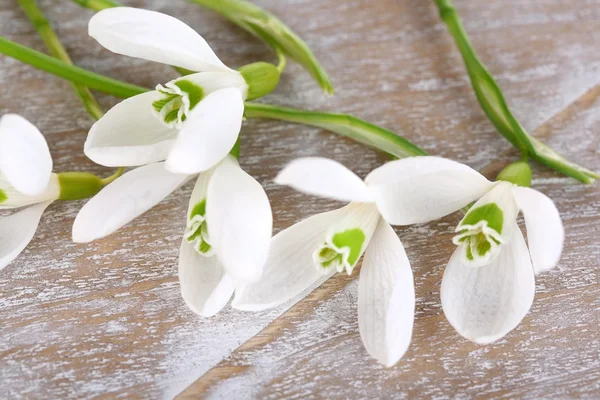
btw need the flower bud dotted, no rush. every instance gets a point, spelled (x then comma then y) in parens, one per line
(261, 77)
(518, 173)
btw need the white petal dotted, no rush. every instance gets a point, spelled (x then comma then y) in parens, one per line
(484, 304)
(545, 232)
(12, 198)
(153, 36)
(130, 135)
(421, 189)
(125, 199)
(323, 177)
(209, 133)
(17, 230)
(25, 159)
(205, 286)
(386, 297)
(240, 223)
(217, 80)
(289, 270)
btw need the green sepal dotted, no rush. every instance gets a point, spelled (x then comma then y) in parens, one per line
(3, 196)
(489, 212)
(261, 77)
(275, 33)
(195, 93)
(78, 185)
(518, 173)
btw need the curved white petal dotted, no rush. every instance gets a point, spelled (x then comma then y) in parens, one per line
(12, 198)
(386, 297)
(484, 304)
(323, 177)
(17, 230)
(289, 270)
(25, 159)
(205, 286)
(240, 222)
(421, 189)
(545, 232)
(216, 80)
(123, 200)
(129, 135)
(153, 36)
(209, 133)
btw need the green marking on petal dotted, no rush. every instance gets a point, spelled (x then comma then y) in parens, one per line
(196, 231)
(177, 99)
(342, 250)
(469, 253)
(3, 196)
(353, 239)
(490, 213)
(195, 93)
(199, 209)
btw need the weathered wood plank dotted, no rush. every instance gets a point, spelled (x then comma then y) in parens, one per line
(107, 319)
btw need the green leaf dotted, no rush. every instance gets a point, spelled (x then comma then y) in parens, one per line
(273, 31)
(494, 105)
(342, 124)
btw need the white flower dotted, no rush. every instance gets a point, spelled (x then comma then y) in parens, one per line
(314, 249)
(227, 237)
(191, 122)
(26, 179)
(228, 228)
(489, 283)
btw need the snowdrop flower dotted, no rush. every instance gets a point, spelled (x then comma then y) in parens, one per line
(191, 122)
(226, 239)
(314, 249)
(489, 283)
(228, 229)
(26, 179)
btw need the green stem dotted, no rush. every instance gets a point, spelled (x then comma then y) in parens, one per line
(342, 124)
(494, 105)
(282, 61)
(273, 31)
(113, 177)
(42, 25)
(97, 5)
(69, 72)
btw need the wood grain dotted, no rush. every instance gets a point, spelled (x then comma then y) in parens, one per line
(106, 320)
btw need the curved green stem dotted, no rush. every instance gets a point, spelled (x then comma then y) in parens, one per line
(42, 25)
(343, 124)
(113, 177)
(282, 61)
(97, 5)
(69, 72)
(273, 31)
(494, 105)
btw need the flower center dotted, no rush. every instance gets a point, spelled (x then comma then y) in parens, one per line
(340, 251)
(3, 196)
(196, 231)
(481, 233)
(175, 100)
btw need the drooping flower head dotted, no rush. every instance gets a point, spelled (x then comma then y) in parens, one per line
(192, 122)
(26, 179)
(311, 251)
(489, 283)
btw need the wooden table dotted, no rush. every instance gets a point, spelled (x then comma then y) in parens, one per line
(106, 320)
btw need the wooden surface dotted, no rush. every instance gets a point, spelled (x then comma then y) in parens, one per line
(106, 320)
